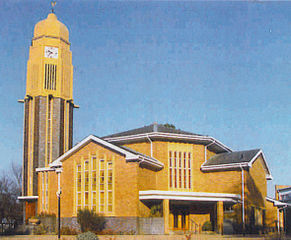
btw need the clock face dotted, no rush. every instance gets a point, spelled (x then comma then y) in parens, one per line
(51, 52)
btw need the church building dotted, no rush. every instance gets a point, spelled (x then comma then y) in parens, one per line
(154, 179)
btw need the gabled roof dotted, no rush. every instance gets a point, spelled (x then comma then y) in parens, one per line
(284, 189)
(233, 157)
(161, 132)
(235, 160)
(129, 154)
(278, 203)
(155, 127)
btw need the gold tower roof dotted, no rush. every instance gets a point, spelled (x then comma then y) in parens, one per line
(52, 27)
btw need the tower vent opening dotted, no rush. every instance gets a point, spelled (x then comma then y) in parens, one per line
(50, 76)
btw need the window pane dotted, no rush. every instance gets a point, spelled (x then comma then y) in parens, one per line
(110, 208)
(93, 162)
(86, 165)
(102, 164)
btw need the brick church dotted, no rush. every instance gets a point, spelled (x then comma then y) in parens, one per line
(157, 174)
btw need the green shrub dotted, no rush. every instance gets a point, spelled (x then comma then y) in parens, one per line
(90, 221)
(49, 221)
(39, 230)
(68, 231)
(156, 210)
(87, 236)
(207, 226)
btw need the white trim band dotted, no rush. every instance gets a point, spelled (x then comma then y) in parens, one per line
(127, 154)
(45, 169)
(27, 197)
(189, 196)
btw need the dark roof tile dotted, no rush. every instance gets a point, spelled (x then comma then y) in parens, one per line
(151, 128)
(232, 157)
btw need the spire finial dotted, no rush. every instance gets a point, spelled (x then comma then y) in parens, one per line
(53, 3)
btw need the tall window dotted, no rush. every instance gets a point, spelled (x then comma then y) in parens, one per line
(171, 168)
(185, 169)
(43, 191)
(95, 184)
(79, 188)
(46, 190)
(86, 183)
(189, 171)
(175, 164)
(101, 185)
(109, 186)
(180, 169)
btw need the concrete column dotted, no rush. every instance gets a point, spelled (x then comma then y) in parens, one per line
(179, 221)
(171, 221)
(219, 217)
(166, 211)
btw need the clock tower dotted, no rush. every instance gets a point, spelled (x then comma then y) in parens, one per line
(48, 104)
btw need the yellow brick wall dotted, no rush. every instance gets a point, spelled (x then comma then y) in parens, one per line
(271, 215)
(217, 182)
(129, 179)
(256, 184)
(125, 199)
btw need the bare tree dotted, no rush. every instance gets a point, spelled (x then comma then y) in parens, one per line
(10, 189)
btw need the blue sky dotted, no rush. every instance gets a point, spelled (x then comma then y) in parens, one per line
(214, 68)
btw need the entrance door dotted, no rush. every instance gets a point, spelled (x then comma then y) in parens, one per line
(29, 210)
(180, 218)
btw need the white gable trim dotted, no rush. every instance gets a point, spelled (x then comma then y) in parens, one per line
(240, 165)
(268, 174)
(189, 196)
(277, 203)
(128, 155)
(284, 191)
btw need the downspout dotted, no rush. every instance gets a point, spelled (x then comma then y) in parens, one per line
(205, 150)
(278, 212)
(278, 220)
(243, 197)
(151, 144)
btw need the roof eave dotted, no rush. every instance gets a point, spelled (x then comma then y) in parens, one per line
(204, 139)
(233, 166)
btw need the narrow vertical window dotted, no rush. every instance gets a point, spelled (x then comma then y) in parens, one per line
(171, 169)
(189, 171)
(46, 191)
(94, 183)
(175, 162)
(101, 185)
(109, 186)
(180, 170)
(86, 184)
(185, 169)
(42, 190)
(79, 187)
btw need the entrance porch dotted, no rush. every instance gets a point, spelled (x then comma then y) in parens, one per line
(188, 211)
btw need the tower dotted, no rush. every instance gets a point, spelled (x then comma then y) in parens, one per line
(48, 103)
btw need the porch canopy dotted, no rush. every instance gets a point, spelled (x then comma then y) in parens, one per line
(189, 196)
